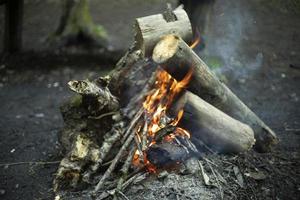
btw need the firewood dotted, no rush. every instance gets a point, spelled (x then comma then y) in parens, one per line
(151, 28)
(176, 57)
(166, 154)
(216, 129)
(101, 94)
(130, 133)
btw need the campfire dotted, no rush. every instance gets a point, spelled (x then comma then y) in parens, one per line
(159, 107)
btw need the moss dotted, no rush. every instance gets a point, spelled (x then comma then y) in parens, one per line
(77, 21)
(214, 62)
(76, 100)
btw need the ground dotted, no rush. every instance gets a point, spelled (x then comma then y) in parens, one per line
(253, 46)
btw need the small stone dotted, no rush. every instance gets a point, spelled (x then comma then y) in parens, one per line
(163, 174)
(2, 191)
(12, 151)
(39, 115)
(283, 75)
(56, 84)
(17, 186)
(2, 67)
(18, 116)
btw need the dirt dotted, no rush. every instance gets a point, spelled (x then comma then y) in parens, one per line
(253, 46)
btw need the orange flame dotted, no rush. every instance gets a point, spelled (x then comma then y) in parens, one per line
(196, 42)
(156, 104)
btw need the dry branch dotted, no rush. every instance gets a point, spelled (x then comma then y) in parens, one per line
(131, 130)
(176, 57)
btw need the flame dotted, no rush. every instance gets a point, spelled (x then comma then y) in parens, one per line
(156, 105)
(196, 42)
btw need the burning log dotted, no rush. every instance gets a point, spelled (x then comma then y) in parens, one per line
(167, 154)
(176, 57)
(214, 128)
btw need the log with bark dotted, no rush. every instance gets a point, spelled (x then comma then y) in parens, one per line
(177, 58)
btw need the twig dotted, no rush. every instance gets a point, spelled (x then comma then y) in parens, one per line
(203, 174)
(144, 134)
(183, 195)
(133, 177)
(217, 180)
(110, 139)
(103, 115)
(125, 169)
(138, 143)
(122, 194)
(30, 162)
(133, 122)
(164, 132)
(137, 174)
(112, 166)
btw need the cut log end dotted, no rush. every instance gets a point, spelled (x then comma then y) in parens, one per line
(165, 48)
(149, 30)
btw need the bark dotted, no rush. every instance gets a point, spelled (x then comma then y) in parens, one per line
(151, 28)
(214, 128)
(176, 57)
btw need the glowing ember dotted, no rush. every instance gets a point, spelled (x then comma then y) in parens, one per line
(156, 104)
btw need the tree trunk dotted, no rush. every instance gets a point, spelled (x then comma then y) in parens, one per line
(76, 25)
(13, 25)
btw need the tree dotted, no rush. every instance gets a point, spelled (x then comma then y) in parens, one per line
(77, 27)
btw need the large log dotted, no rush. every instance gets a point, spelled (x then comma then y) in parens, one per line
(176, 57)
(218, 131)
(151, 28)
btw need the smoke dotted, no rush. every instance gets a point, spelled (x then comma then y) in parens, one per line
(227, 35)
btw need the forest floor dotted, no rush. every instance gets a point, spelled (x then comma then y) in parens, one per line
(254, 49)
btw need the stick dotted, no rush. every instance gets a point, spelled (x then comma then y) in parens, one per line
(177, 58)
(144, 134)
(125, 169)
(116, 159)
(102, 94)
(133, 123)
(30, 163)
(110, 138)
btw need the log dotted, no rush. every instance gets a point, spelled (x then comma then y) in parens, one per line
(166, 154)
(176, 57)
(214, 128)
(151, 28)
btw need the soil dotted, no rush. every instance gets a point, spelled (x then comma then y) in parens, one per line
(254, 46)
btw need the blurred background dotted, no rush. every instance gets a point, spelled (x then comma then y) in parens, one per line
(253, 46)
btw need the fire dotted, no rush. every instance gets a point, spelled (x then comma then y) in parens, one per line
(196, 42)
(156, 105)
